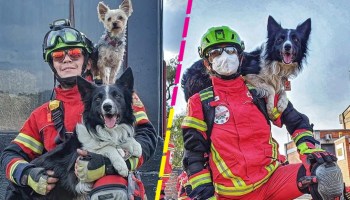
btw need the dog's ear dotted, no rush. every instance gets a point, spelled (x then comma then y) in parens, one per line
(272, 26)
(305, 28)
(102, 9)
(85, 87)
(126, 79)
(126, 6)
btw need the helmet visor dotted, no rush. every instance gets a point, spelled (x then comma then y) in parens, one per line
(67, 35)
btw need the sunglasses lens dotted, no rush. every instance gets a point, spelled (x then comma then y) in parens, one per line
(231, 50)
(58, 56)
(75, 53)
(214, 52)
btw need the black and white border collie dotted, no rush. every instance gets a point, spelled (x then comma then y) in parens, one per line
(107, 129)
(281, 58)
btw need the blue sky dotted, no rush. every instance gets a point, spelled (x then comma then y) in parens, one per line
(321, 91)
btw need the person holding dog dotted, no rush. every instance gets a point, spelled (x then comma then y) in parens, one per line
(69, 54)
(229, 149)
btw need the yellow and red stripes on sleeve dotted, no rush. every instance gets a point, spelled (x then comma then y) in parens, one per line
(11, 169)
(30, 145)
(139, 110)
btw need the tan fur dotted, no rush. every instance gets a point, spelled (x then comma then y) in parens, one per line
(270, 81)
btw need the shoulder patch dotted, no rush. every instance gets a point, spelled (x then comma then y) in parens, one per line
(136, 101)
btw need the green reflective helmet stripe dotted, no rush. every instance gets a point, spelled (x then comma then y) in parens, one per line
(219, 35)
(60, 45)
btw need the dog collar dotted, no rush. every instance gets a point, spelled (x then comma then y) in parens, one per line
(112, 42)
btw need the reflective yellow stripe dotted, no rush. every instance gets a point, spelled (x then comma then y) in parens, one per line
(206, 95)
(54, 104)
(303, 148)
(30, 143)
(134, 161)
(194, 123)
(274, 147)
(13, 167)
(200, 180)
(275, 113)
(234, 191)
(140, 116)
(224, 170)
(250, 87)
(300, 135)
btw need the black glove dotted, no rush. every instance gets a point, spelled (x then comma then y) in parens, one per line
(202, 192)
(36, 178)
(188, 189)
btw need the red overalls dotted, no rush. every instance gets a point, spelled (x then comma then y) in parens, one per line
(242, 153)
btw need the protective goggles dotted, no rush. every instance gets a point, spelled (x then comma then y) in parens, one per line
(218, 51)
(68, 36)
(73, 53)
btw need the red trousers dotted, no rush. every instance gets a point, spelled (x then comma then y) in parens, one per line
(281, 185)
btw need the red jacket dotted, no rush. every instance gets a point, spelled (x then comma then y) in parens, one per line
(242, 154)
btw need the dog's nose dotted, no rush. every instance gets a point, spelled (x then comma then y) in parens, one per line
(287, 47)
(107, 107)
(115, 24)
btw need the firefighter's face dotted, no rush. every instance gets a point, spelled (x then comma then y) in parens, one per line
(69, 66)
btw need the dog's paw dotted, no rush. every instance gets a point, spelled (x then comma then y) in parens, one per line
(282, 104)
(137, 150)
(83, 188)
(123, 171)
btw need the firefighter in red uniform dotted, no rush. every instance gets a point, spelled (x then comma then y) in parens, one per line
(183, 187)
(238, 158)
(68, 53)
(168, 168)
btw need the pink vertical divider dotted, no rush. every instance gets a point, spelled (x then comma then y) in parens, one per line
(178, 72)
(182, 50)
(178, 69)
(173, 99)
(189, 7)
(184, 32)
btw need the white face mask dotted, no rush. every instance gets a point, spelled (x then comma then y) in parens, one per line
(226, 64)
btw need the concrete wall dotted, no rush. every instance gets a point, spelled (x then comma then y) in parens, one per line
(343, 154)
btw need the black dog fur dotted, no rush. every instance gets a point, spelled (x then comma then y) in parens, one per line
(62, 159)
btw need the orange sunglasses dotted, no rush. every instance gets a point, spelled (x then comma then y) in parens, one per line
(74, 54)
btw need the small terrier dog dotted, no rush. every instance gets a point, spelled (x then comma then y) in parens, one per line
(111, 46)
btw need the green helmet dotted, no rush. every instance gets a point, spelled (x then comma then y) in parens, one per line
(62, 35)
(219, 35)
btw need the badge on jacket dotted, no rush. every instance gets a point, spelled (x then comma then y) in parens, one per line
(222, 114)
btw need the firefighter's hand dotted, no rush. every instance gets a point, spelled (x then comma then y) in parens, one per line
(89, 166)
(204, 191)
(315, 156)
(40, 180)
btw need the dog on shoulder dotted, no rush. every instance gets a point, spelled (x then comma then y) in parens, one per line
(280, 58)
(107, 129)
(111, 46)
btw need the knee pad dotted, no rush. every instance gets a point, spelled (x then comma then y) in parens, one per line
(110, 188)
(329, 184)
